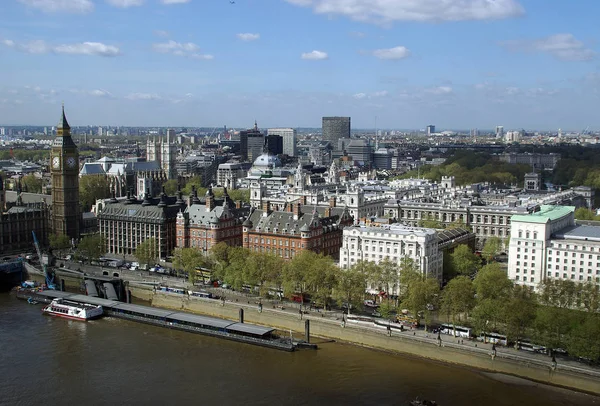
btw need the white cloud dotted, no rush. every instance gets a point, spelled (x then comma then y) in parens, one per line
(125, 3)
(439, 90)
(55, 6)
(562, 46)
(84, 48)
(387, 11)
(186, 49)
(143, 96)
(382, 93)
(161, 33)
(399, 52)
(358, 34)
(167, 2)
(359, 96)
(88, 48)
(248, 36)
(315, 55)
(100, 93)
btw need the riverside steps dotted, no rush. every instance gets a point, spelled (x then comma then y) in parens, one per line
(210, 326)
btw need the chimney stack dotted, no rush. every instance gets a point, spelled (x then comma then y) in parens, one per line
(266, 207)
(297, 210)
(332, 202)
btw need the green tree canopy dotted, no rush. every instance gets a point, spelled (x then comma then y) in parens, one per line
(188, 260)
(463, 261)
(91, 247)
(492, 282)
(59, 241)
(195, 181)
(147, 251)
(92, 188)
(458, 298)
(491, 248)
(170, 187)
(31, 183)
(351, 284)
(519, 313)
(421, 296)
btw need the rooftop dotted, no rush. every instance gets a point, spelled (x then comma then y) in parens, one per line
(393, 229)
(580, 232)
(545, 214)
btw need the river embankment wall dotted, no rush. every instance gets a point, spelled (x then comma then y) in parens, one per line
(400, 342)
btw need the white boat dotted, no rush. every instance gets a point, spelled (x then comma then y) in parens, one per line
(73, 310)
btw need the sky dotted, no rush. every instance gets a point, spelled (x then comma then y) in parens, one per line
(457, 64)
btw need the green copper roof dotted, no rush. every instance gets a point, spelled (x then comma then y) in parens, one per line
(547, 213)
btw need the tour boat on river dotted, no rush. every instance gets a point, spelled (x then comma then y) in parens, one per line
(73, 310)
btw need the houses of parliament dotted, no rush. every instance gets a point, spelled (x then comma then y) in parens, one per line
(28, 213)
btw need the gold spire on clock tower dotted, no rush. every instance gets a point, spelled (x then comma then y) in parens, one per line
(64, 168)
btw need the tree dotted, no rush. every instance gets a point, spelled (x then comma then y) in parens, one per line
(386, 278)
(242, 195)
(147, 252)
(195, 181)
(235, 272)
(519, 313)
(219, 255)
(589, 295)
(320, 277)
(458, 297)
(91, 247)
(430, 222)
(262, 268)
(492, 283)
(32, 183)
(59, 242)
(583, 213)
(351, 283)
(409, 273)
(170, 187)
(92, 188)
(558, 293)
(463, 261)
(491, 248)
(583, 340)
(188, 260)
(422, 295)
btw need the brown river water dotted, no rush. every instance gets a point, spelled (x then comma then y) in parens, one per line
(50, 361)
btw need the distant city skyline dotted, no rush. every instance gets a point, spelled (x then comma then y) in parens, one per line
(288, 63)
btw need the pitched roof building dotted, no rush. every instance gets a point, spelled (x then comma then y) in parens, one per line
(204, 224)
(298, 228)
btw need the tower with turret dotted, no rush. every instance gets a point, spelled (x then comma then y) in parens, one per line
(64, 170)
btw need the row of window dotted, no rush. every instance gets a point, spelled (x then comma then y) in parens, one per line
(564, 276)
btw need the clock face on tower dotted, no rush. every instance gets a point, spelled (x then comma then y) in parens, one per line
(56, 162)
(71, 162)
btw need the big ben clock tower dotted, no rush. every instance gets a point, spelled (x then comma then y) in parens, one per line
(64, 168)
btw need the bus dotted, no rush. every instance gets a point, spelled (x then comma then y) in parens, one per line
(456, 331)
(528, 346)
(201, 293)
(493, 338)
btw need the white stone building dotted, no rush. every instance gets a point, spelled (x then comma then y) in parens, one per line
(547, 244)
(394, 242)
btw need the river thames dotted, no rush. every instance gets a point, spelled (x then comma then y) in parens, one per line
(50, 361)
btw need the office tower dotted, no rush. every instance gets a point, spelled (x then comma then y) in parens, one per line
(274, 144)
(289, 139)
(252, 142)
(335, 128)
(430, 129)
(499, 131)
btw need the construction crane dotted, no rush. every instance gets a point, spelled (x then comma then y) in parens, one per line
(47, 275)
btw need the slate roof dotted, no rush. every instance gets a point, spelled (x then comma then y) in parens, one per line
(92, 169)
(11, 197)
(282, 222)
(199, 215)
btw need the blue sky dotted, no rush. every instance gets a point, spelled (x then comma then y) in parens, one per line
(458, 64)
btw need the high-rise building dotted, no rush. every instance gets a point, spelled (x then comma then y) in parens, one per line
(274, 144)
(335, 128)
(430, 129)
(65, 181)
(499, 131)
(252, 142)
(289, 139)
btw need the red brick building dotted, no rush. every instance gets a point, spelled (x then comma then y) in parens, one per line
(206, 223)
(297, 228)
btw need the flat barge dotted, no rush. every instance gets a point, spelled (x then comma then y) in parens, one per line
(210, 326)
